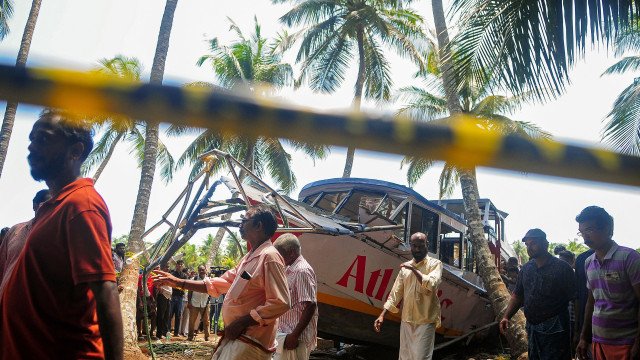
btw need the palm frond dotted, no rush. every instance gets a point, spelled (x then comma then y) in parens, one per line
(417, 167)
(377, 79)
(622, 131)
(278, 163)
(629, 63)
(6, 13)
(100, 150)
(421, 104)
(448, 180)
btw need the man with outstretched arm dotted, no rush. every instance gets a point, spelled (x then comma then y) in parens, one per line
(256, 292)
(416, 286)
(63, 300)
(544, 288)
(298, 327)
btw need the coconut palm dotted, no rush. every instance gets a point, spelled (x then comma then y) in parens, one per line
(622, 131)
(429, 103)
(496, 290)
(116, 129)
(6, 12)
(21, 61)
(531, 44)
(253, 65)
(336, 31)
(129, 275)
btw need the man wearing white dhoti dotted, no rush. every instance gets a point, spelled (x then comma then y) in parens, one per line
(416, 286)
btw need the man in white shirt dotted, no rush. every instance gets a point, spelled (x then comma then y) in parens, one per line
(198, 305)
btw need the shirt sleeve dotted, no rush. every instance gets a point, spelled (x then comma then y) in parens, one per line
(306, 286)
(431, 280)
(89, 245)
(277, 300)
(220, 285)
(519, 289)
(395, 296)
(632, 267)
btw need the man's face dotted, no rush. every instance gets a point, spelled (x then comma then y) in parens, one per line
(179, 266)
(49, 151)
(535, 247)
(202, 271)
(418, 248)
(248, 227)
(120, 249)
(593, 237)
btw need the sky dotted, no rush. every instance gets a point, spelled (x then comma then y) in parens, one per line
(77, 33)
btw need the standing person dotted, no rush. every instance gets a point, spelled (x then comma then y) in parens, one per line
(151, 308)
(298, 327)
(163, 303)
(613, 279)
(199, 306)
(15, 239)
(256, 292)
(64, 299)
(544, 288)
(177, 298)
(416, 286)
(118, 257)
(570, 258)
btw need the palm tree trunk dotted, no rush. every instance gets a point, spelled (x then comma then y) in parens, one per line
(215, 246)
(496, 290)
(106, 159)
(21, 61)
(357, 99)
(138, 223)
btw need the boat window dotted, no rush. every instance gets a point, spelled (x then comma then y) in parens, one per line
(401, 219)
(311, 198)
(425, 221)
(330, 201)
(361, 205)
(451, 248)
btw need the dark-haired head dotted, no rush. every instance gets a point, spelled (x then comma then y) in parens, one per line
(599, 217)
(71, 127)
(263, 214)
(40, 197)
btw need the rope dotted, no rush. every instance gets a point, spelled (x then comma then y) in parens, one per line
(464, 140)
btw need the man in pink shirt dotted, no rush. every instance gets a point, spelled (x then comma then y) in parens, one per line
(256, 292)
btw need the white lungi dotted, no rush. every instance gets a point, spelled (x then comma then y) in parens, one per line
(302, 352)
(416, 341)
(238, 350)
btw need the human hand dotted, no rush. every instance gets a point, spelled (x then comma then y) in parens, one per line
(504, 324)
(164, 278)
(377, 325)
(582, 350)
(234, 330)
(291, 342)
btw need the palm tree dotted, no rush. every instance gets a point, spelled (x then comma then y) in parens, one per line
(21, 61)
(122, 129)
(623, 128)
(254, 65)
(6, 12)
(531, 44)
(430, 104)
(130, 273)
(496, 290)
(336, 30)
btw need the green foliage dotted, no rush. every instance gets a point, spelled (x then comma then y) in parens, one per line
(521, 251)
(334, 32)
(529, 45)
(6, 12)
(249, 64)
(116, 129)
(429, 103)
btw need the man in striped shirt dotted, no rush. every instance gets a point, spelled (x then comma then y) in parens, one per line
(613, 279)
(297, 328)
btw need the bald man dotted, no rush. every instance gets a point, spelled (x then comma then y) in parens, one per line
(416, 286)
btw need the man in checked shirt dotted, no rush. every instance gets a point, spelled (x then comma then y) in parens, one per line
(416, 286)
(297, 328)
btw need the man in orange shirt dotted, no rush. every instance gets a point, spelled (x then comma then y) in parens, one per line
(64, 300)
(257, 292)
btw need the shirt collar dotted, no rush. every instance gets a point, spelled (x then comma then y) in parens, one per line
(70, 188)
(423, 261)
(296, 261)
(612, 250)
(258, 250)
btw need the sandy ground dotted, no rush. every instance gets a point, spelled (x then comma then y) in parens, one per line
(179, 348)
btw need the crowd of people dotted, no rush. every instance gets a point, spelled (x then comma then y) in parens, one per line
(59, 297)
